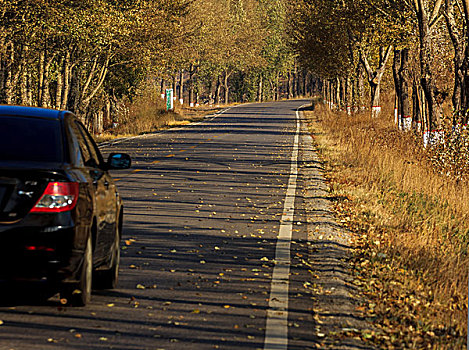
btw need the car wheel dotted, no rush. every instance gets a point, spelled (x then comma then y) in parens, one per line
(79, 294)
(107, 279)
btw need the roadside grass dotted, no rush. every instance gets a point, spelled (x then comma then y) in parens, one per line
(153, 121)
(411, 229)
(148, 114)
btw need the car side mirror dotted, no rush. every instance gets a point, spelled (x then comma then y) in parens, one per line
(119, 161)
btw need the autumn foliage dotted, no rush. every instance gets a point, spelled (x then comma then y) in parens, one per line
(410, 221)
(97, 58)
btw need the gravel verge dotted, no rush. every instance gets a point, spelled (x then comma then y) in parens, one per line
(338, 324)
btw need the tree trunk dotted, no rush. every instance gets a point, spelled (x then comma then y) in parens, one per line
(40, 85)
(260, 88)
(338, 98)
(59, 90)
(305, 83)
(85, 101)
(24, 86)
(14, 79)
(277, 87)
(218, 91)
(348, 95)
(300, 83)
(460, 56)
(45, 82)
(295, 82)
(375, 76)
(107, 114)
(181, 87)
(2, 72)
(9, 80)
(324, 92)
(163, 88)
(465, 66)
(191, 85)
(175, 85)
(427, 81)
(360, 88)
(75, 88)
(25, 74)
(66, 80)
(396, 65)
(375, 99)
(404, 90)
(226, 86)
(416, 107)
(29, 91)
(328, 93)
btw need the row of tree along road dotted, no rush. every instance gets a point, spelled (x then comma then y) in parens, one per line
(94, 57)
(425, 42)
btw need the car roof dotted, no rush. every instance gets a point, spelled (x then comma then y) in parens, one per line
(34, 112)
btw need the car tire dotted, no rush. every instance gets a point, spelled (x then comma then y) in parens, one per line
(107, 279)
(79, 294)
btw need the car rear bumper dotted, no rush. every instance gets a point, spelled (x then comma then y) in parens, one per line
(46, 254)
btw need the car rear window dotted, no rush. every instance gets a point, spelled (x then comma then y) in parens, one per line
(30, 139)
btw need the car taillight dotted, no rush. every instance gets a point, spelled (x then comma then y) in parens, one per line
(57, 197)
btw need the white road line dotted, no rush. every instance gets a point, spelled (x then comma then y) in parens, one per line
(123, 139)
(276, 333)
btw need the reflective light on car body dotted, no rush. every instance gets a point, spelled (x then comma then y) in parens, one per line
(57, 197)
(34, 248)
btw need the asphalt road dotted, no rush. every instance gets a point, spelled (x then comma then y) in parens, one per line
(203, 207)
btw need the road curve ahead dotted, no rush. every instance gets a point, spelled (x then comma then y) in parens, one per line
(202, 264)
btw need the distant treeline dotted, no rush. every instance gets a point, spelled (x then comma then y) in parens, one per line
(420, 46)
(88, 56)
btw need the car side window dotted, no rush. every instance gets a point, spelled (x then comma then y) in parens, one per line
(74, 146)
(82, 154)
(96, 159)
(86, 154)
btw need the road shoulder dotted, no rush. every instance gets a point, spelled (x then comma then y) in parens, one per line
(337, 322)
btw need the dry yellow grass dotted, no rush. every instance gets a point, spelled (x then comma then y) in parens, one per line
(148, 114)
(412, 229)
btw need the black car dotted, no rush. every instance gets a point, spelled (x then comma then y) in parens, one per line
(60, 212)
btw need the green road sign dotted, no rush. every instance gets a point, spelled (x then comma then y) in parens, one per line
(169, 99)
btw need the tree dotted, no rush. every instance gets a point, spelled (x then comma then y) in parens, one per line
(456, 14)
